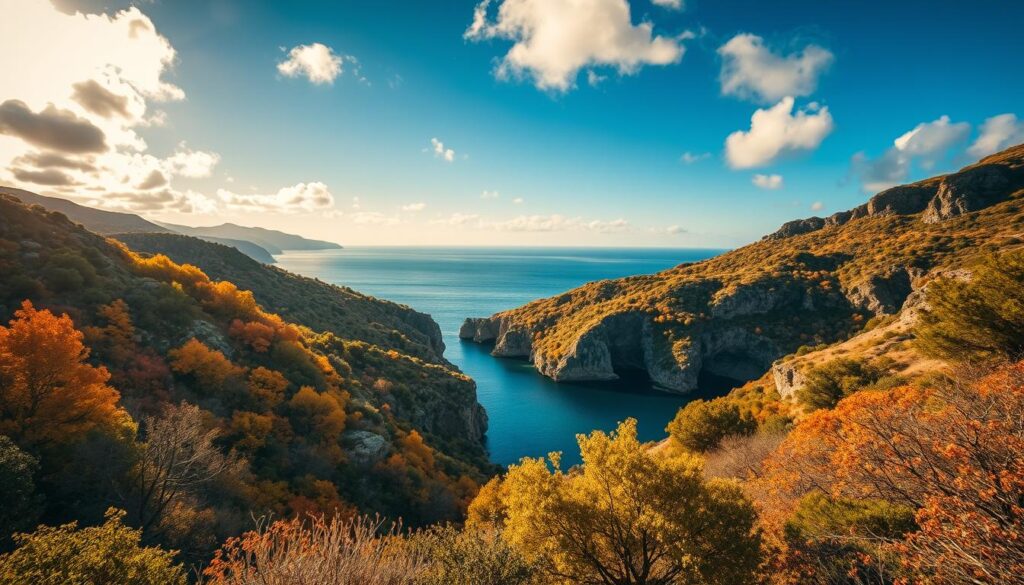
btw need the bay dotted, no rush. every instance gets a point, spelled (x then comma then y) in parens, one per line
(529, 415)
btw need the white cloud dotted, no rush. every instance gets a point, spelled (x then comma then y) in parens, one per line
(777, 131)
(414, 207)
(997, 133)
(554, 39)
(191, 163)
(489, 195)
(518, 201)
(770, 182)
(688, 158)
(675, 229)
(594, 78)
(669, 4)
(534, 223)
(445, 154)
(926, 145)
(316, 62)
(817, 206)
(75, 101)
(751, 70)
(302, 197)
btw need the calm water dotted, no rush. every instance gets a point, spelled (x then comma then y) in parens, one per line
(529, 414)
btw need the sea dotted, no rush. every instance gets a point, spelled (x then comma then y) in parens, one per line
(529, 414)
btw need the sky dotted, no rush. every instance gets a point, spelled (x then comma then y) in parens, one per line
(675, 123)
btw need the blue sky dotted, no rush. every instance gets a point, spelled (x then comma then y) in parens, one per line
(572, 164)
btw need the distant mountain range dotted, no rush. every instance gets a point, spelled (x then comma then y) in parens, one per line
(258, 243)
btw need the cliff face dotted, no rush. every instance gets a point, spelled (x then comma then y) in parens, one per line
(813, 282)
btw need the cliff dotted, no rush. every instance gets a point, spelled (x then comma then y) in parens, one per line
(814, 282)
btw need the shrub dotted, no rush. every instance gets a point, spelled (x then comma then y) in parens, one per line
(977, 321)
(109, 553)
(826, 385)
(701, 425)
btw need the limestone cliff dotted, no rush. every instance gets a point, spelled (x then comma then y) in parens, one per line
(815, 282)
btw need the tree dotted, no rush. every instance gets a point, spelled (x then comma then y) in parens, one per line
(109, 553)
(977, 321)
(17, 489)
(629, 517)
(701, 425)
(49, 395)
(829, 383)
(177, 458)
(211, 370)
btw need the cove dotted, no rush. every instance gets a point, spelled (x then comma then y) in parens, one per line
(529, 415)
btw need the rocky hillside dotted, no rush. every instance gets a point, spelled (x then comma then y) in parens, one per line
(813, 283)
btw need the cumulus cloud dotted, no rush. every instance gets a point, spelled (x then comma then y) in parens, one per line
(445, 154)
(154, 180)
(414, 207)
(750, 69)
(925, 145)
(47, 160)
(316, 62)
(770, 182)
(297, 198)
(997, 133)
(100, 100)
(675, 229)
(489, 195)
(777, 131)
(688, 158)
(670, 4)
(191, 163)
(51, 128)
(518, 200)
(554, 39)
(49, 177)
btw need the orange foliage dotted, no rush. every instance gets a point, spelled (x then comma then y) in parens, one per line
(318, 415)
(48, 394)
(267, 386)
(950, 451)
(209, 367)
(255, 334)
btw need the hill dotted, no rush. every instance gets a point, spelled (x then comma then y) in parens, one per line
(316, 418)
(273, 241)
(813, 283)
(95, 220)
(316, 304)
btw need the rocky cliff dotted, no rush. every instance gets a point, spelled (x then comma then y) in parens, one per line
(814, 282)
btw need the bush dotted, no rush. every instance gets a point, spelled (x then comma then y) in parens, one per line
(17, 489)
(977, 321)
(470, 557)
(701, 425)
(826, 385)
(109, 553)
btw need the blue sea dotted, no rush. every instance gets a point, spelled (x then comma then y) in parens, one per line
(530, 415)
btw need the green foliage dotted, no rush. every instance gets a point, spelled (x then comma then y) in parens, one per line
(17, 489)
(829, 383)
(110, 553)
(701, 425)
(977, 321)
(470, 557)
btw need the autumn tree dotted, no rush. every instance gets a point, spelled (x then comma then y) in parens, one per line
(701, 425)
(211, 369)
(473, 556)
(49, 395)
(979, 320)
(177, 458)
(629, 517)
(110, 553)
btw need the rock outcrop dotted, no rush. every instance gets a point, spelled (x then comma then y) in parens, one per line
(814, 283)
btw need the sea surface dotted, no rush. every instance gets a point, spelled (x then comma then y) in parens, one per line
(530, 415)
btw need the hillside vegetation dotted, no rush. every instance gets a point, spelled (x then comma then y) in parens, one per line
(813, 283)
(134, 381)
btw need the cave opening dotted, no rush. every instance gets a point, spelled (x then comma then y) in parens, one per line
(725, 371)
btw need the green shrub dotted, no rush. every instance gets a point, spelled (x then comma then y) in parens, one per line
(701, 425)
(827, 384)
